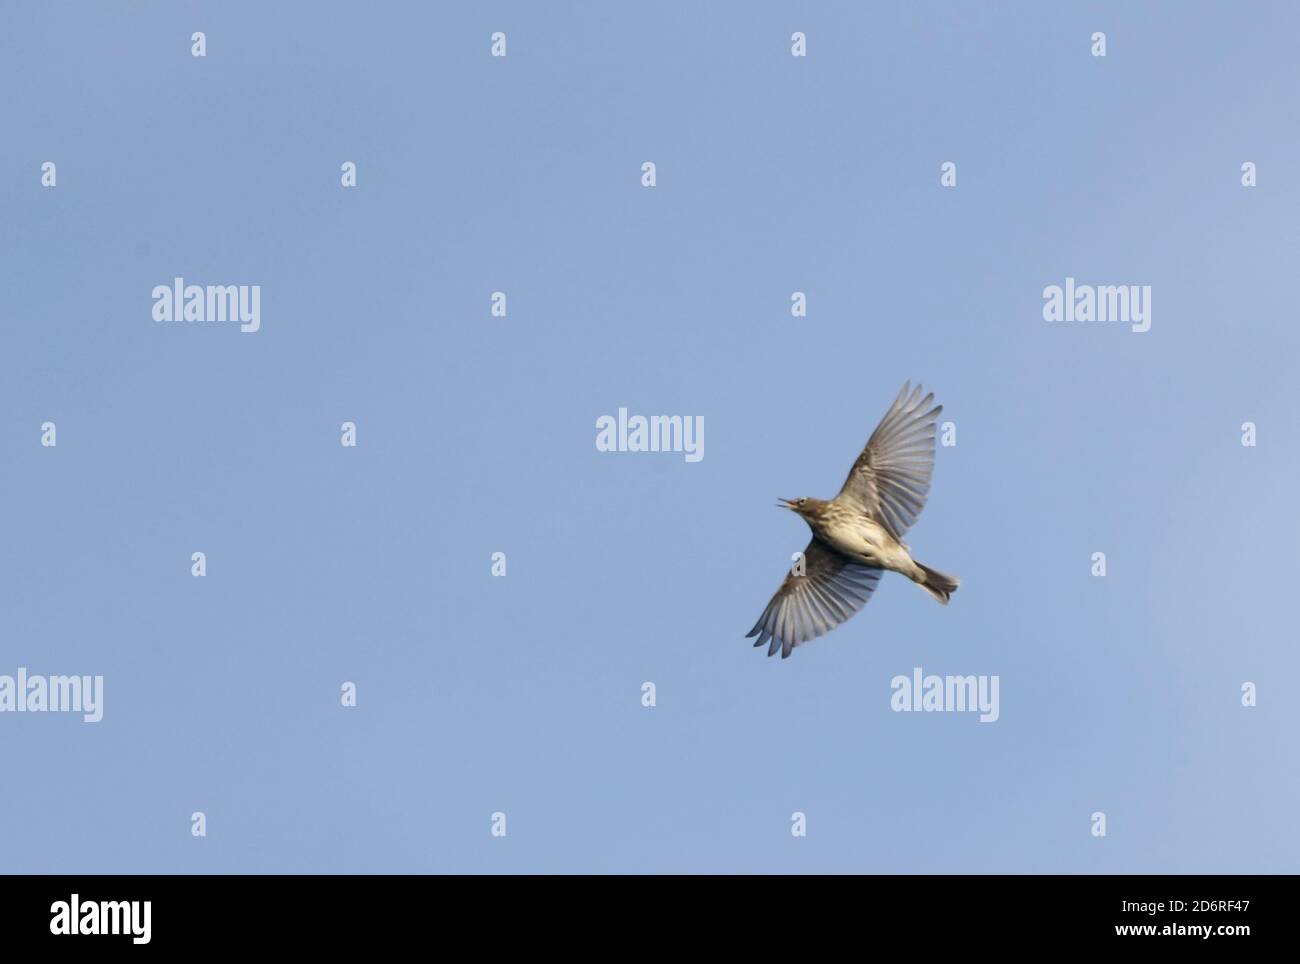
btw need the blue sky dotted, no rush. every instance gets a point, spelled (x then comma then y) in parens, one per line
(476, 434)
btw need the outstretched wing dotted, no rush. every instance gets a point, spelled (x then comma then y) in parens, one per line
(832, 588)
(891, 478)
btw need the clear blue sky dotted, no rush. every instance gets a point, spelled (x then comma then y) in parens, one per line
(476, 434)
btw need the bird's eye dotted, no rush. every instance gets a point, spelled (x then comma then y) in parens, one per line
(802, 501)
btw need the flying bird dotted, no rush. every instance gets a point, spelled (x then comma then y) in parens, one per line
(859, 533)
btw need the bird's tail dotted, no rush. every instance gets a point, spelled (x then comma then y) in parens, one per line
(938, 584)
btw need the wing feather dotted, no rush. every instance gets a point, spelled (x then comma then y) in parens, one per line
(831, 589)
(891, 478)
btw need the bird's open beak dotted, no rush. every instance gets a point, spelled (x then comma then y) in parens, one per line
(784, 504)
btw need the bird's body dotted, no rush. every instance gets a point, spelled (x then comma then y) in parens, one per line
(848, 530)
(858, 534)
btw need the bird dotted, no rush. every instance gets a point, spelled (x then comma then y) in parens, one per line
(858, 534)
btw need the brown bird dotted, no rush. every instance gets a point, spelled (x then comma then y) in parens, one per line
(859, 533)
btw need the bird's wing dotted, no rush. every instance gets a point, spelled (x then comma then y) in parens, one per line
(832, 588)
(891, 478)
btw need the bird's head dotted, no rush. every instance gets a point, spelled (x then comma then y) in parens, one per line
(804, 506)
